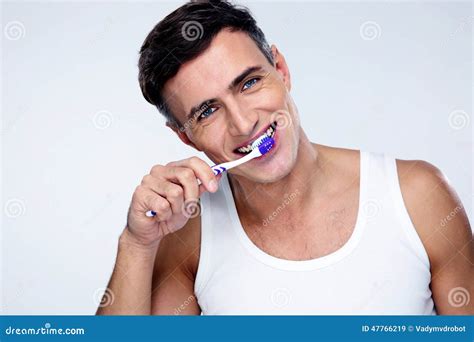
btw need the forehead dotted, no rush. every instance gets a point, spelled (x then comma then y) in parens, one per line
(208, 75)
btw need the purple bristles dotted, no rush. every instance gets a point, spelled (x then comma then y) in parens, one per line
(266, 145)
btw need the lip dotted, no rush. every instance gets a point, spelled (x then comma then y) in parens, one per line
(249, 141)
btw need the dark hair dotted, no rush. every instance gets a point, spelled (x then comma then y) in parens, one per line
(182, 36)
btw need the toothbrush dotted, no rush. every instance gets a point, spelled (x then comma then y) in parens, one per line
(259, 147)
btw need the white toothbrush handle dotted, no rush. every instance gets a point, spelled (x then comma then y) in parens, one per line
(229, 165)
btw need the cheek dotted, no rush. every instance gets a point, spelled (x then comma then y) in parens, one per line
(272, 98)
(209, 139)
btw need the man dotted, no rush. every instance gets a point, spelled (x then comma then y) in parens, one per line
(306, 228)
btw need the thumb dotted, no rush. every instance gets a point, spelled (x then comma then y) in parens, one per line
(203, 189)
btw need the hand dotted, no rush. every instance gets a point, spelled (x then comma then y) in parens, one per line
(172, 192)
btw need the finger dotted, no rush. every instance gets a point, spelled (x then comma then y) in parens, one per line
(172, 192)
(147, 200)
(203, 189)
(185, 177)
(201, 169)
(181, 176)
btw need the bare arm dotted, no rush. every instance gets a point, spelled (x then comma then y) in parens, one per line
(158, 280)
(443, 226)
(175, 271)
(129, 288)
(149, 255)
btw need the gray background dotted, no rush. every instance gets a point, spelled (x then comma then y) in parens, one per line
(77, 136)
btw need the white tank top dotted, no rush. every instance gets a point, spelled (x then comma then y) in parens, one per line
(383, 269)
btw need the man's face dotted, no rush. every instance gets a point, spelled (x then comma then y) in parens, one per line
(241, 108)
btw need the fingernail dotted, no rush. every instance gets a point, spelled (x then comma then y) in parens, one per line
(213, 185)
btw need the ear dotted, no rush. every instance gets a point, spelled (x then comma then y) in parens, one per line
(181, 132)
(281, 66)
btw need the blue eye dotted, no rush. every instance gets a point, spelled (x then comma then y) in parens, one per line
(206, 113)
(251, 83)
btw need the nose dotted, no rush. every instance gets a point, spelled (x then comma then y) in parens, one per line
(242, 121)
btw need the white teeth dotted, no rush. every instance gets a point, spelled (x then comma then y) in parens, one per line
(268, 133)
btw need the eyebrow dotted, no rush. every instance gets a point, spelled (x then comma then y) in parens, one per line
(235, 82)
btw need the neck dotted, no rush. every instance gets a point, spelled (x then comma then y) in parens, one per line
(289, 196)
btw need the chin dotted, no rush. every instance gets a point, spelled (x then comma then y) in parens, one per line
(276, 169)
(278, 172)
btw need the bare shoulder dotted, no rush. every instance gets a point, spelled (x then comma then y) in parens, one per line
(343, 159)
(442, 224)
(426, 193)
(435, 209)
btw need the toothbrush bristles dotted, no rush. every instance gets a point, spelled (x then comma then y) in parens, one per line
(266, 145)
(259, 141)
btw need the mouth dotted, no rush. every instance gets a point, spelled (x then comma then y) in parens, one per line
(247, 148)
